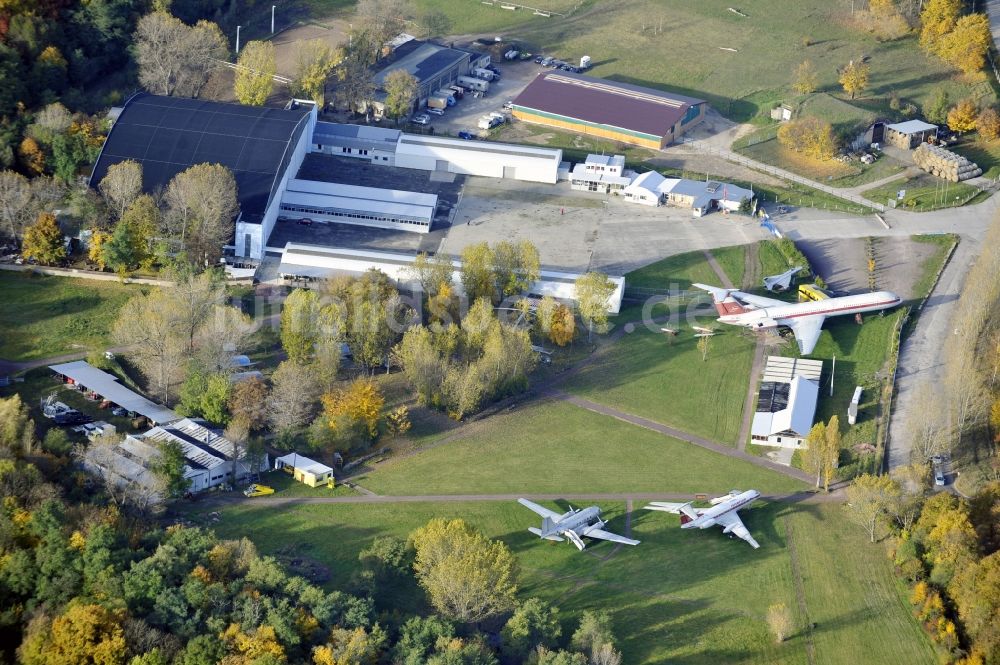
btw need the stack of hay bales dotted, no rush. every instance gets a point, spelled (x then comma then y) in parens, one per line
(944, 163)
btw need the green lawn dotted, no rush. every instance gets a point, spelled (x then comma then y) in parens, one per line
(680, 597)
(934, 263)
(43, 316)
(556, 447)
(665, 379)
(924, 192)
(675, 273)
(732, 260)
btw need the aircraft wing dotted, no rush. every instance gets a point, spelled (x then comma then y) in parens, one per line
(807, 330)
(732, 523)
(757, 301)
(541, 510)
(665, 506)
(613, 537)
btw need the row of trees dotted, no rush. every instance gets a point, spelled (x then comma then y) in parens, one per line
(948, 549)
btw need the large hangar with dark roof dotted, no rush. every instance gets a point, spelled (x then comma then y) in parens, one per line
(263, 147)
(617, 111)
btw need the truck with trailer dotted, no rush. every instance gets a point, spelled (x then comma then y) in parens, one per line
(483, 73)
(448, 95)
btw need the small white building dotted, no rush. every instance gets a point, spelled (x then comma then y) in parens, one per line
(601, 173)
(309, 262)
(304, 470)
(645, 189)
(325, 202)
(702, 196)
(786, 402)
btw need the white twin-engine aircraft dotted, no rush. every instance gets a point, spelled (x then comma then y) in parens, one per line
(722, 513)
(573, 525)
(804, 318)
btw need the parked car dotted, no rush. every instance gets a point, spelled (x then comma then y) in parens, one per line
(468, 136)
(73, 417)
(571, 69)
(508, 105)
(421, 119)
(539, 59)
(939, 478)
(435, 112)
(546, 62)
(305, 221)
(119, 411)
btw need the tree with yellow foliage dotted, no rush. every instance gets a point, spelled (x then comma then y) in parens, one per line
(869, 498)
(255, 72)
(95, 252)
(937, 19)
(988, 124)
(965, 47)
(354, 410)
(962, 117)
(351, 647)
(810, 136)
(812, 453)
(469, 577)
(249, 648)
(831, 450)
(805, 79)
(315, 60)
(854, 77)
(43, 241)
(886, 21)
(563, 325)
(83, 633)
(31, 156)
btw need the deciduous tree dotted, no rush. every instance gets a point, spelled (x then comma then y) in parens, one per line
(477, 272)
(173, 58)
(988, 124)
(31, 156)
(43, 241)
(965, 47)
(16, 203)
(831, 450)
(962, 117)
(812, 453)
(810, 136)
(854, 77)
(121, 186)
(248, 403)
(469, 578)
(401, 92)
(152, 327)
(779, 620)
(357, 406)
(201, 210)
(423, 365)
(936, 109)
(315, 61)
(805, 79)
(294, 397)
(937, 19)
(868, 501)
(170, 468)
(593, 290)
(563, 326)
(83, 633)
(533, 623)
(255, 72)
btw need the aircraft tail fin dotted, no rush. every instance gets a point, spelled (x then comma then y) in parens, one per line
(725, 303)
(688, 514)
(548, 527)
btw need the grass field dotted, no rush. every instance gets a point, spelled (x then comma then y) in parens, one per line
(555, 447)
(652, 375)
(986, 154)
(679, 597)
(43, 316)
(924, 192)
(732, 260)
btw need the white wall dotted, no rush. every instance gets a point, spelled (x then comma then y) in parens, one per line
(260, 235)
(464, 158)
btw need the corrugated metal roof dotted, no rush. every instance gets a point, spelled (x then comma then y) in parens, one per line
(797, 418)
(911, 127)
(365, 193)
(107, 386)
(302, 463)
(424, 60)
(478, 147)
(649, 181)
(606, 160)
(779, 368)
(363, 132)
(356, 205)
(620, 105)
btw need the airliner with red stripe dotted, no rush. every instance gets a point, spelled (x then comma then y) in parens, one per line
(724, 513)
(804, 318)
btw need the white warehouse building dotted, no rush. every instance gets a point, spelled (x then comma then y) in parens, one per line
(300, 261)
(481, 158)
(364, 206)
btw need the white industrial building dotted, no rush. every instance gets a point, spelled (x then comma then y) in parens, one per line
(300, 261)
(364, 206)
(480, 158)
(645, 189)
(786, 402)
(374, 144)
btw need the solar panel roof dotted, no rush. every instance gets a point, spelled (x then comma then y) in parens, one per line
(169, 134)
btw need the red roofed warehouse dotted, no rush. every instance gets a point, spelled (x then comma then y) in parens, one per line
(617, 111)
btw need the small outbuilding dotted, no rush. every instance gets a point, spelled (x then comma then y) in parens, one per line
(305, 470)
(786, 402)
(908, 135)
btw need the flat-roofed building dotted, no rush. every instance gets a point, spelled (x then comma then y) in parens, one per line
(305, 470)
(87, 377)
(601, 173)
(318, 201)
(374, 144)
(703, 196)
(608, 109)
(300, 261)
(433, 65)
(480, 158)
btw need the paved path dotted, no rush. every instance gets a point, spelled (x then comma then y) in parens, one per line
(756, 369)
(678, 434)
(11, 367)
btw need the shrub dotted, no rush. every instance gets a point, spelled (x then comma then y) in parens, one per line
(810, 136)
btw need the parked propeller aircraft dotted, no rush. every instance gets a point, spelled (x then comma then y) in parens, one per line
(573, 525)
(804, 318)
(722, 513)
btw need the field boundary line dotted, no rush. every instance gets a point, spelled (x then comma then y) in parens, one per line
(800, 595)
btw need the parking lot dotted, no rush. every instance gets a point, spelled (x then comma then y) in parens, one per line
(465, 114)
